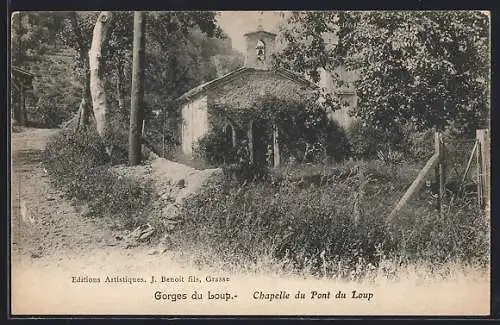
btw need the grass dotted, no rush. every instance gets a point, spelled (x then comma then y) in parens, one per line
(327, 221)
(311, 228)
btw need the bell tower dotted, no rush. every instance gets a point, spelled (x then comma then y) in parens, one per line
(260, 46)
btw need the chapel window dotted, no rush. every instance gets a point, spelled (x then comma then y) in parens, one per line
(260, 50)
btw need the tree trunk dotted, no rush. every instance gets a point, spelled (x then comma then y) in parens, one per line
(84, 113)
(85, 109)
(137, 94)
(97, 90)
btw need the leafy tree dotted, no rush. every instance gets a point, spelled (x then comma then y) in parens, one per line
(31, 36)
(184, 49)
(31, 41)
(54, 46)
(182, 52)
(428, 69)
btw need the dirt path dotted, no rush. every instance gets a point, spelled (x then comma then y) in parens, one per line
(43, 222)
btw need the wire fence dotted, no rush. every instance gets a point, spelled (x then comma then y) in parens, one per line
(458, 170)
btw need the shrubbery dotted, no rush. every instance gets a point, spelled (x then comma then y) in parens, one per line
(213, 148)
(311, 227)
(365, 140)
(78, 164)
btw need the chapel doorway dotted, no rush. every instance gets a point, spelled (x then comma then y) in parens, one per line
(230, 143)
(262, 143)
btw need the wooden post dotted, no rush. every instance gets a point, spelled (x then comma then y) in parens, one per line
(416, 185)
(437, 149)
(137, 91)
(478, 174)
(483, 166)
(24, 115)
(233, 135)
(469, 163)
(442, 175)
(250, 140)
(486, 160)
(163, 134)
(276, 147)
(439, 171)
(436, 162)
(358, 211)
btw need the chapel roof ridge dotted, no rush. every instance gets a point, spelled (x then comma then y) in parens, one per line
(259, 31)
(284, 72)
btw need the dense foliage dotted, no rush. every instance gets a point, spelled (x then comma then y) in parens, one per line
(430, 69)
(309, 226)
(78, 165)
(214, 148)
(306, 134)
(183, 49)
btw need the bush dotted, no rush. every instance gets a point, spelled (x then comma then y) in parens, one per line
(326, 142)
(336, 141)
(312, 227)
(78, 164)
(419, 145)
(365, 141)
(213, 148)
(117, 138)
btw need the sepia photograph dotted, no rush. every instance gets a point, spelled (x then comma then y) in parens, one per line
(250, 163)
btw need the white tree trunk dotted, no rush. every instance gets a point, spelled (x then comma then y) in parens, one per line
(97, 91)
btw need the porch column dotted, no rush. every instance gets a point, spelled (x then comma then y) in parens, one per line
(233, 134)
(276, 147)
(250, 140)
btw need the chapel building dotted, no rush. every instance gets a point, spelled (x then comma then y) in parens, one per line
(201, 107)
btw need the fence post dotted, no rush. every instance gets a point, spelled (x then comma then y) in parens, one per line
(358, 212)
(276, 146)
(250, 140)
(483, 169)
(439, 171)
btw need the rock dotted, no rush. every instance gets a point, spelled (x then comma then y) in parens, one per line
(166, 241)
(181, 197)
(153, 251)
(169, 226)
(136, 233)
(36, 255)
(181, 183)
(128, 245)
(146, 234)
(170, 212)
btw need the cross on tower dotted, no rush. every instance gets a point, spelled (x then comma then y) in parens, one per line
(259, 21)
